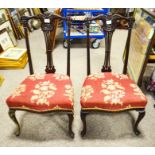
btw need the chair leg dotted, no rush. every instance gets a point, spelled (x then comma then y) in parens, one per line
(140, 117)
(13, 117)
(71, 117)
(83, 118)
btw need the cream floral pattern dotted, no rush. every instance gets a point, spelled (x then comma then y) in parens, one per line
(96, 76)
(20, 89)
(69, 92)
(120, 76)
(113, 92)
(57, 108)
(86, 92)
(60, 77)
(36, 77)
(137, 91)
(42, 92)
(128, 107)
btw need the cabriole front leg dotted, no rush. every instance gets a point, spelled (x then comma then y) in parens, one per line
(71, 117)
(140, 117)
(13, 117)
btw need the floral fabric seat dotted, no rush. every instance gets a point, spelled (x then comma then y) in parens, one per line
(111, 92)
(43, 93)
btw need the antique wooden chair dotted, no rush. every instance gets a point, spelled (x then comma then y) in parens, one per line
(108, 91)
(44, 93)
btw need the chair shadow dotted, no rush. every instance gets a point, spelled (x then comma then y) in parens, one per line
(43, 127)
(110, 126)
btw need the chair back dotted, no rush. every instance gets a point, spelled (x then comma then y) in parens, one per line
(111, 22)
(47, 26)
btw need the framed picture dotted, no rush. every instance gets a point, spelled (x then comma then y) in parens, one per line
(3, 16)
(9, 29)
(15, 19)
(5, 40)
(12, 11)
(13, 53)
(6, 25)
(141, 38)
(21, 11)
(12, 36)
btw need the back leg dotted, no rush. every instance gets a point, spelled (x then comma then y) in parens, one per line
(83, 118)
(71, 117)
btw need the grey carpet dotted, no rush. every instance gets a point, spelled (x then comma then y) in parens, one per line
(51, 130)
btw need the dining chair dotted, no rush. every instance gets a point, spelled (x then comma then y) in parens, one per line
(111, 91)
(49, 92)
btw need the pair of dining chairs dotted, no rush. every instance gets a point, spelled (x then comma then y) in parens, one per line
(102, 92)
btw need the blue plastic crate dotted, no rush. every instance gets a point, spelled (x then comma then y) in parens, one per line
(79, 35)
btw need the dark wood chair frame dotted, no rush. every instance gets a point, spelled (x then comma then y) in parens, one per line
(47, 27)
(110, 23)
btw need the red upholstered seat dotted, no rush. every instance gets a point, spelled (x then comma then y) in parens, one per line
(111, 92)
(43, 93)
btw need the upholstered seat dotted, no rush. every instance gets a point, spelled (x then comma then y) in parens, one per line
(111, 92)
(42, 93)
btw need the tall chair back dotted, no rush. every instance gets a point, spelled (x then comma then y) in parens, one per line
(110, 24)
(47, 26)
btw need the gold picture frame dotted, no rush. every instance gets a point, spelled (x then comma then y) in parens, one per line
(3, 16)
(8, 27)
(141, 37)
(5, 40)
